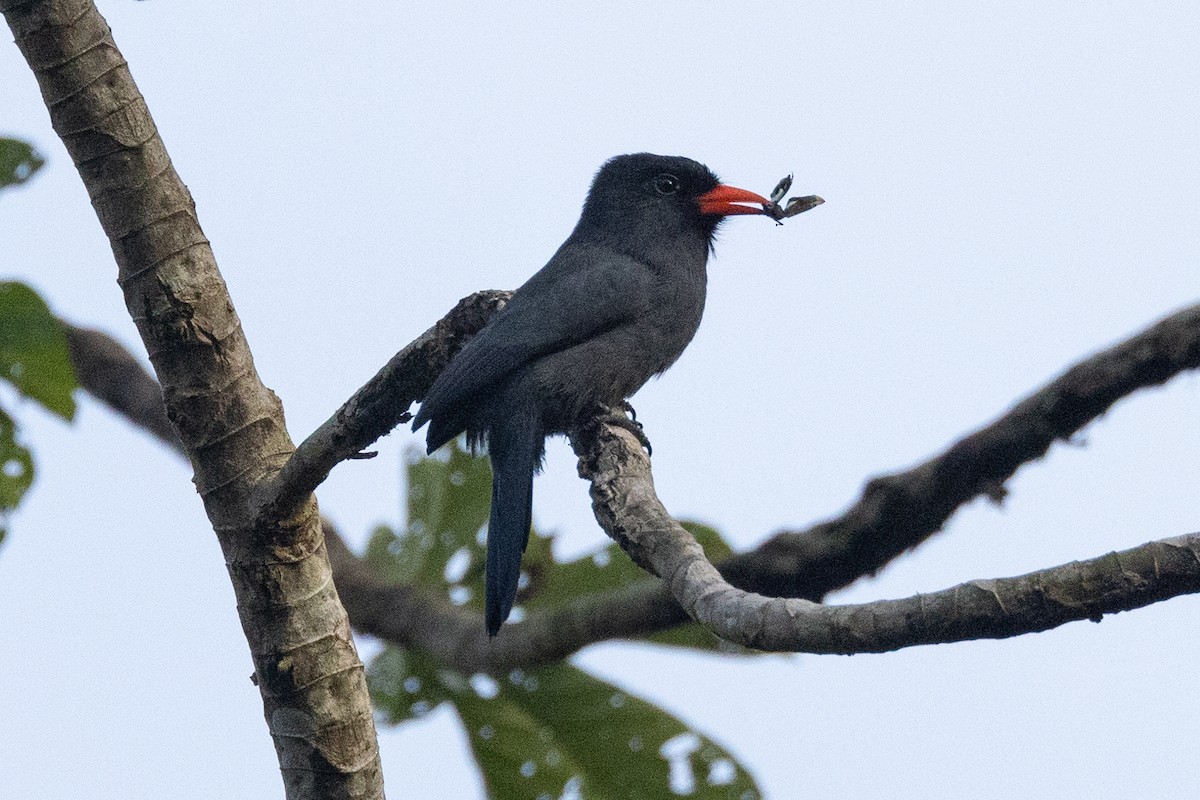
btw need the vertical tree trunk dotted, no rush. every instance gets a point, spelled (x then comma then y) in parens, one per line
(311, 679)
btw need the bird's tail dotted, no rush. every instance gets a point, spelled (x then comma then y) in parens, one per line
(515, 447)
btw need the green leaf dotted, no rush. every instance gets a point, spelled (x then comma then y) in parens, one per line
(18, 162)
(33, 350)
(544, 731)
(557, 730)
(404, 684)
(16, 470)
(551, 732)
(517, 756)
(444, 547)
(448, 501)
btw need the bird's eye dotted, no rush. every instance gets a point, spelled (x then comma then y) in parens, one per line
(666, 184)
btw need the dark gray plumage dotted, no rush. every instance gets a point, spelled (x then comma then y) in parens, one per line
(616, 305)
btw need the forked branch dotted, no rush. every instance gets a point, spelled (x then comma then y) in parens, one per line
(227, 422)
(895, 513)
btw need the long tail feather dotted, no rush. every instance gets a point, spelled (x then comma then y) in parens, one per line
(515, 445)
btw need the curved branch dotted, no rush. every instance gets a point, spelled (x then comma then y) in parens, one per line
(808, 565)
(229, 425)
(895, 512)
(626, 506)
(900, 511)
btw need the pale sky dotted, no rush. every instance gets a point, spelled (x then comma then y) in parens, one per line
(1009, 187)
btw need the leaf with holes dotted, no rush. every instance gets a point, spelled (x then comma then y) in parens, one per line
(447, 506)
(404, 684)
(16, 469)
(33, 350)
(18, 162)
(443, 547)
(552, 732)
(558, 731)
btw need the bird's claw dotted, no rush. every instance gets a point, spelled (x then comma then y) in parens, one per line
(616, 417)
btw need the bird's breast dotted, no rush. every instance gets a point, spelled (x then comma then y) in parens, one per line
(611, 366)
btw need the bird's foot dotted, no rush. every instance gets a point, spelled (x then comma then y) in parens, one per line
(617, 417)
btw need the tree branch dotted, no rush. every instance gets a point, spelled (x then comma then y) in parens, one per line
(230, 425)
(627, 508)
(397, 613)
(809, 564)
(898, 512)
(111, 374)
(378, 407)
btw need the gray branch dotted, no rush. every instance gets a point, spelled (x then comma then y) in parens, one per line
(627, 508)
(896, 513)
(378, 407)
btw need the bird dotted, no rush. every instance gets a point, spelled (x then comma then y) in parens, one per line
(614, 306)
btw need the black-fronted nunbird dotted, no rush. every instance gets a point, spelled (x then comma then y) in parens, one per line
(614, 306)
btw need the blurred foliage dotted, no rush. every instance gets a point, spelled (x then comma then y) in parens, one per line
(33, 358)
(551, 732)
(33, 350)
(18, 161)
(16, 470)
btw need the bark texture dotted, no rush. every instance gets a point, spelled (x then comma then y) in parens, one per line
(230, 426)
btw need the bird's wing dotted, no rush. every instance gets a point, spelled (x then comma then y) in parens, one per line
(579, 294)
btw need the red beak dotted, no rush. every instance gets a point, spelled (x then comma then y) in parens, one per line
(723, 200)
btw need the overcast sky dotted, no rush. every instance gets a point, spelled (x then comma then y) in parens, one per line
(1009, 187)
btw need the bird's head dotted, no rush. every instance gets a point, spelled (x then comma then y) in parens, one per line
(646, 195)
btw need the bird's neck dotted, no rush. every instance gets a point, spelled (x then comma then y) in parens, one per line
(663, 248)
